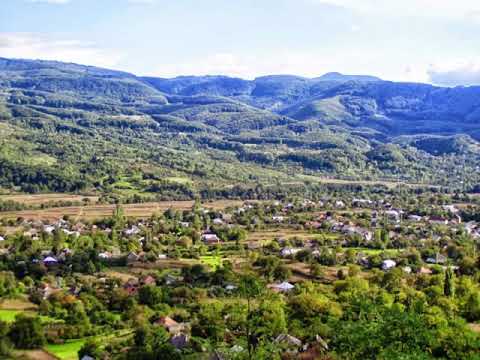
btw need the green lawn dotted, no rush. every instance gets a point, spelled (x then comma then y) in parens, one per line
(211, 260)
(68, 350)
(9, 316)
(368, 251)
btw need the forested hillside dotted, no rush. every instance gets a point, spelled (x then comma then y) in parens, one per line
(67, 127)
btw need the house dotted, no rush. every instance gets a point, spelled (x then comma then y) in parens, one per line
(450, 208)
(352, 230)
(162, 257)
(439, 259)
(134, 230)
(217, 221)
(46, 290)
(313, 224)
(184, 224)
(2, 238)
(31, 233)
(278, 219)
(288, 340)
(131, 287)
(104, 255)
(437, 220)
(70, 233)
(210, 238)
(393, 215)
(180, 341)
(470, 227)
(288, 251)
(50, 260)
(361, 202)
(170, 280)
(339, 204)
(388, 264)
(49, 229)
(230, 287)
(148, 280)
(283, 287)
(425, 271)
(132, 257)
(171, 325)
(415, 218)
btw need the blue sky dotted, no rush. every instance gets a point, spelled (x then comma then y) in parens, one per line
(411, 40)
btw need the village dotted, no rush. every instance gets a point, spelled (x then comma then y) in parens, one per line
(160, 268)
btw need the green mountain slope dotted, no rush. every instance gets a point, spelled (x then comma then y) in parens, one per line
(68, 127)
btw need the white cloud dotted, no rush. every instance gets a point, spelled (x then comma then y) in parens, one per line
(457, 72)
(50, 1)
(38, 46)
(426, 8)
(280, 62)
(141, 1)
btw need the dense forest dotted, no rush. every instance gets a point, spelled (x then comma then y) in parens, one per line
(73, 128)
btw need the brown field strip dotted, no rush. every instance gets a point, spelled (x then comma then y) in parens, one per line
(17, 304)
(281, 233)
(34, 355)
(38, 199)
(100, 211)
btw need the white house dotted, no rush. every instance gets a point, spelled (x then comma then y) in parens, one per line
(217, 221)
(288, 251)
(415, 218)
(50, 260)
(49, 229)
(210, 238)
(388, 264)
(134, 230)
(283, 287)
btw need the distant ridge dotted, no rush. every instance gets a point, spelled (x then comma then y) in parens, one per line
(336, 76)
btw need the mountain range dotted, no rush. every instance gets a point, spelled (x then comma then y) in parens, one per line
(69, 127)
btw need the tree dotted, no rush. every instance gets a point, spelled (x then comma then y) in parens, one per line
(5, 344)
(27, 332)
(90, 348)
(150, 295)
(449, 284)
(250, 288)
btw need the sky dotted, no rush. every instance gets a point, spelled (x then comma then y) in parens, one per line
(434, 41)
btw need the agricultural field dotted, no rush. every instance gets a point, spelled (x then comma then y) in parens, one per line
(39, 199)
(90, 212)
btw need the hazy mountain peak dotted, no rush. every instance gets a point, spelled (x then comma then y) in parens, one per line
(336, 76)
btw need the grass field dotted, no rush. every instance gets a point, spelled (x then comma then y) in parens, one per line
(9, 316)
(368, 251)
(213, 261)
(100, 211)
(68, 350)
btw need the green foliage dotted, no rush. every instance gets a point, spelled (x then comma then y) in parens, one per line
(27, 332)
